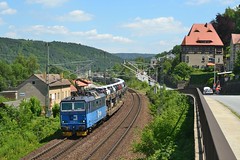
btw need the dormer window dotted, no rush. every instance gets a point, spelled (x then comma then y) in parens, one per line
(204, 41)
(196, 30)
(209, 30)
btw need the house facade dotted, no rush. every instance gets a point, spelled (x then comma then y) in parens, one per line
(234, 49)
(202, 47)
(36, 85)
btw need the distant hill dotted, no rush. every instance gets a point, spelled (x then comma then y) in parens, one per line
(131, 56)
(59, 52)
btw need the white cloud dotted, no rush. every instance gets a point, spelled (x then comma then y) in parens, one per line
(11, 35)
(163, 43)
(3, 5)
(1, 21)
(5, 9)
(94, 35)
(48, 3)
(76, 16)
(61, 30)
(226, 1)
(41, 29)
(155, 26)
(197, 2)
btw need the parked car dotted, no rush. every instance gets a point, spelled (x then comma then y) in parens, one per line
(207, 90)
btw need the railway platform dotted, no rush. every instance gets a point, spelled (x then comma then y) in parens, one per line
(228, 122)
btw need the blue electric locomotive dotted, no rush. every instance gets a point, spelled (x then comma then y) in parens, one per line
(80, 114)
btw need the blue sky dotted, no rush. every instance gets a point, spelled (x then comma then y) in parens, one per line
(131, 26)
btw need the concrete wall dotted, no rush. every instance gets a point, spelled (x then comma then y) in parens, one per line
(32, 87)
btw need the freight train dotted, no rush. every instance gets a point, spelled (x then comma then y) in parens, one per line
(81, 113)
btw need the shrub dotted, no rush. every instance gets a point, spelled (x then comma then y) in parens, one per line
(56, 110)
(35, 106)
(163, 137)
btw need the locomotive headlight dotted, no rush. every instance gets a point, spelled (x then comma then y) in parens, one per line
(83, 121)
(64, 121)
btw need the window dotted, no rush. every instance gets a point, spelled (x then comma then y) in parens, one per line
(204, 41)
(58, 95)
(187, 59)
(66, 106)
(218, 60)
(211, 60)
(203, 59)
(79, 106)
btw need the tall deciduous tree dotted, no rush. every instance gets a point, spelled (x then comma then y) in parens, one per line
(182, 71)
(236, 68)
(227, 23)
(224, 26)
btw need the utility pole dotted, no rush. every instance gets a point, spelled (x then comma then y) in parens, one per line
(155, 88)
(105, 68)
(47, 82)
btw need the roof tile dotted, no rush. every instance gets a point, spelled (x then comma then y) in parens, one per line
(202, 34)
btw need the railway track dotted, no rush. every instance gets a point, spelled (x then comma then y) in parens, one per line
(102, 148)
(56, 150)
(109, 143)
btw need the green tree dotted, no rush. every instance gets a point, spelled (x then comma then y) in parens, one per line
(176, 50)
(56, 110)
(182, 71)
(35, 106)
(236, 69)
(32, 64)
(20, 72)
(167, 65)
(227, 23)
(25, 113)
(5, 75)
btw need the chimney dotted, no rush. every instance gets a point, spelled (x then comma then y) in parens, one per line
(61, 77)
(205, 25)
(44, 75)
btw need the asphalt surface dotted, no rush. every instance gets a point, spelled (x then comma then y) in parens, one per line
(232, 102)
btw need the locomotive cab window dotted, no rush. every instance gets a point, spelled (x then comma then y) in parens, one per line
(66, 106)
(80, 106)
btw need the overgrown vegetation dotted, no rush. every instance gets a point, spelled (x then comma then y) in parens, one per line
(170, 134)
(23, 129)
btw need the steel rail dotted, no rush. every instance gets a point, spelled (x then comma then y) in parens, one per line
(127, 130)
(110, 134)
(48, 149)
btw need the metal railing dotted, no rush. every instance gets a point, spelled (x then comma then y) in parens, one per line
(215, 145)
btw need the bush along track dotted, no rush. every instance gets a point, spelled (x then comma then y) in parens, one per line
(170, 134)
(24, 129)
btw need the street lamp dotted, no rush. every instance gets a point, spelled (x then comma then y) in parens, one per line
(214, 70)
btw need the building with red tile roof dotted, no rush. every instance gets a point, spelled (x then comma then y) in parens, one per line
(202, 46)
(234, 49)
(42, 86)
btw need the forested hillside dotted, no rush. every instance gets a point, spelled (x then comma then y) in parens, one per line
(59, 52)
(131, 56)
